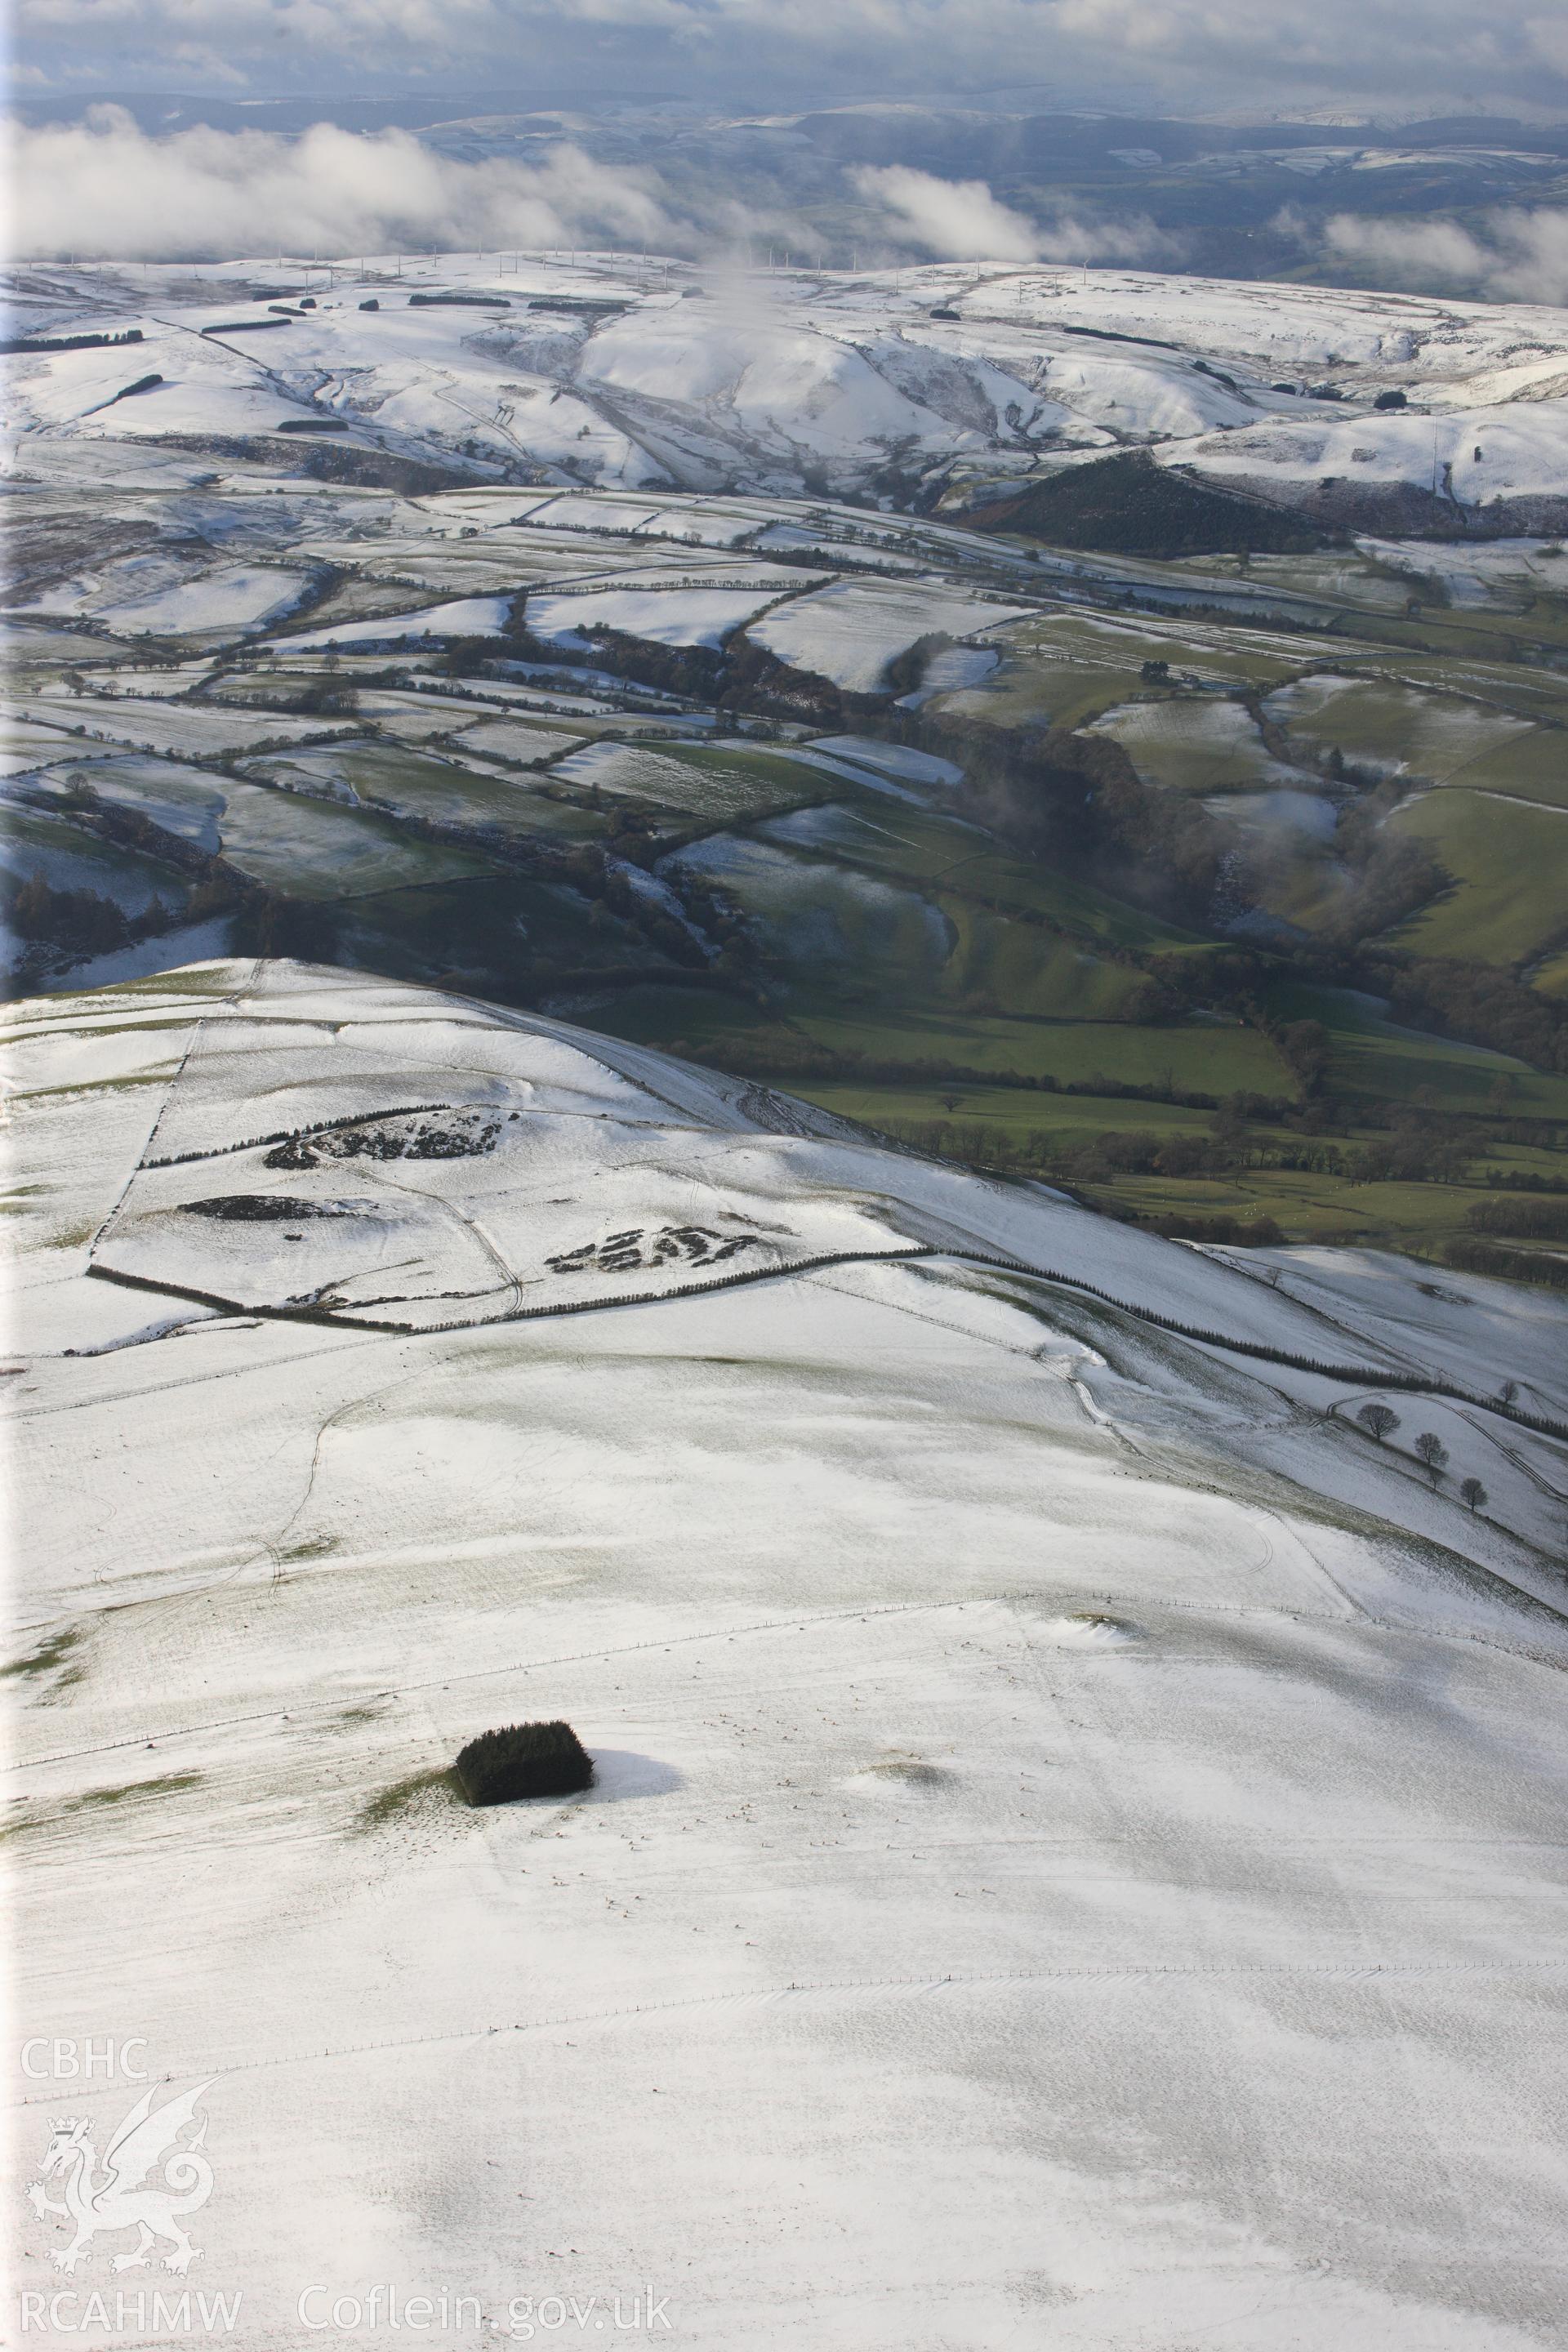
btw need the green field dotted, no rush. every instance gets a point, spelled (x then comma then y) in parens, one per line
(70, 859)
(1012, 967)
(1378, 1062)
(1507, 862)
(1306, 1205)
(440, 791)
(1015, 1113)
(314, 849)
(494, 924)
(1197, 1056)
(1192, 746)
(1376, 722)
(919, 848)
(714, 783)
(1533, 766)
(1069, 668)
(1307, 1208)
(868, 948)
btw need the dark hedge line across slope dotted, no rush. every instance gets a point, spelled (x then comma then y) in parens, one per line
(1353, 1375)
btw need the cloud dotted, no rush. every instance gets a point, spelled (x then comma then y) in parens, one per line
(441, 26)
(1516, 255)
(103, 189)
(960, 220)
(1400, 52)
(1131, 53)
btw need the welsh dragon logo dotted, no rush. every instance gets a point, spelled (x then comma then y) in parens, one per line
(117, 2198)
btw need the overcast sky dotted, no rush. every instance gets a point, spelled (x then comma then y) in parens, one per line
(1180, 55)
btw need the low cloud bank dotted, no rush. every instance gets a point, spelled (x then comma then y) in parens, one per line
(1518, 255)
(957, 220)
(960, 220)
(103, 189)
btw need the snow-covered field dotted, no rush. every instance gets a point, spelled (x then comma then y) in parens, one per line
(1465, 460)
(900, 760)
(764, 380)
(711, 792)
(510, 739)
(1072, 1858)
(183, 801)
(153, 595)
(850, 632)
(667, 616)
(155, 726)
(465, 616)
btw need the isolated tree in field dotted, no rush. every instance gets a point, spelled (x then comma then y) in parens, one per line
(1379, 1421)
(1507, 1391)
(1431, 1451)
(1473, 1493)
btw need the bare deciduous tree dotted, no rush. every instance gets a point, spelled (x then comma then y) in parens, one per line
(1379, 1421)
(1473, 1493)
(1431, 1451)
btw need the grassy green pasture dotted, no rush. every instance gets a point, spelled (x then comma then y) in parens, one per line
(1307, 1207)
(497, 921)
(70, 859)
(925, 850)
(316, 849)
(440, 791)
(1375, 723)
(1189, 745)
(714, 783)
(1015, 966)
(1012, 1112)
(1507, 862)
(1379, 1062)
(1071, 667)
(1198, 1056)
(1551, 976)
(1533, 766)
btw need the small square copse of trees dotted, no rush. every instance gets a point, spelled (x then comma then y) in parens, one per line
(526, 1759)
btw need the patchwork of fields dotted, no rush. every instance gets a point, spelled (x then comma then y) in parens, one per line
(827, 1017)
(1025, 852)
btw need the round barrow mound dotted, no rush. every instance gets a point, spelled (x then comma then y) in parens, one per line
(526, 1759)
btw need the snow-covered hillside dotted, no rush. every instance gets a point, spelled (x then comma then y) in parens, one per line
(615, 372)
(1072, 1854)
